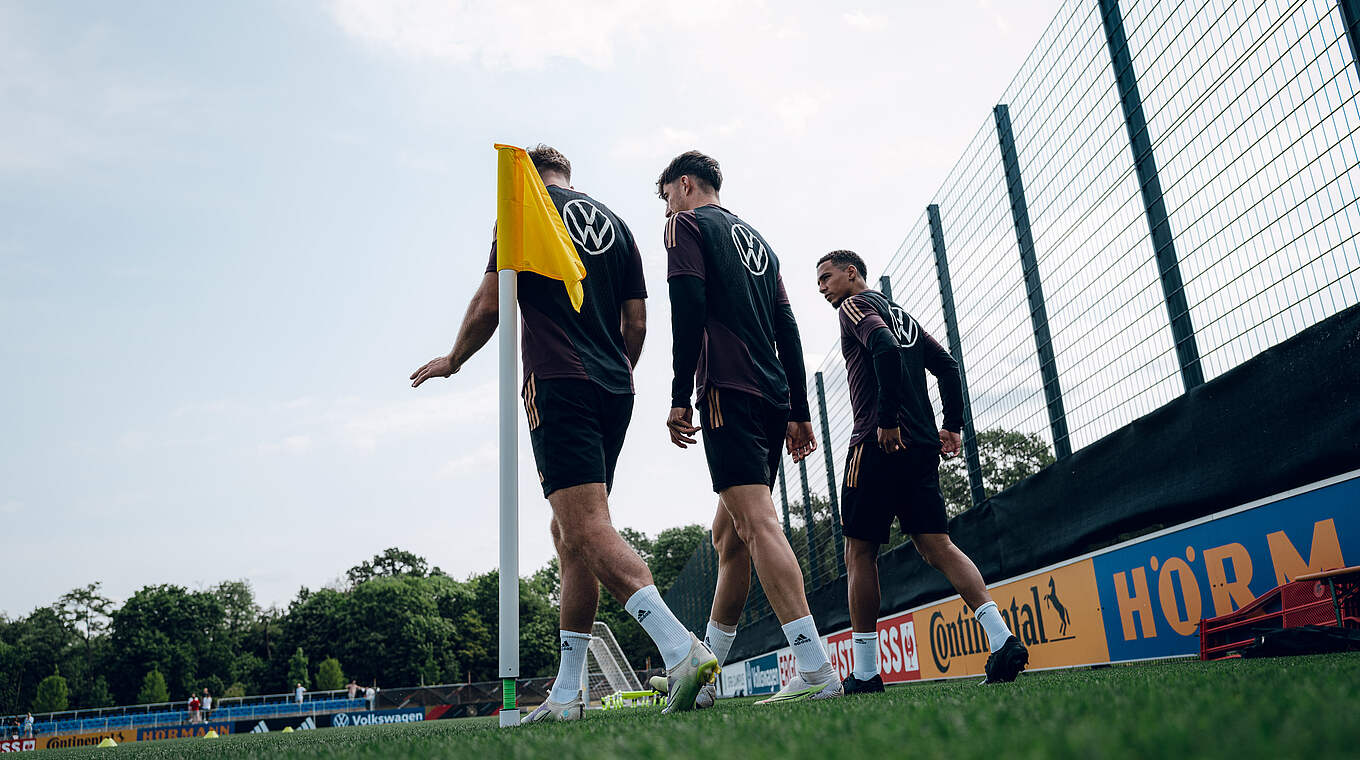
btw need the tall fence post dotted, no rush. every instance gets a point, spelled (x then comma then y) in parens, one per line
(831, 480)
(885, 286)
(784, 499)
(813, 569)
(1038, 314)
(1350, 16)
(951, 328)
(1154, 206)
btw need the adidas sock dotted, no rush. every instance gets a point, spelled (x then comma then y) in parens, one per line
(994, 624)
(568, 683)
(864, 646)
(807, 647)
(661, 624)
(719, 640)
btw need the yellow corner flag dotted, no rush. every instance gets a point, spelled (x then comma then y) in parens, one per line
(530, 235)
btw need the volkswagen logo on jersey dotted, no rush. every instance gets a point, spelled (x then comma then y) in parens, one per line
(904, 327)
(752, 251)
(588, 226)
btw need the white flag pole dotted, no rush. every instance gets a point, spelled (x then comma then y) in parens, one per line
(509, 491)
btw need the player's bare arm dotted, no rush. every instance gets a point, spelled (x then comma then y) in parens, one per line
(479, 324)
(633, 325)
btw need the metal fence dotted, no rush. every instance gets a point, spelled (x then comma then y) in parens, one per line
(1166, 189)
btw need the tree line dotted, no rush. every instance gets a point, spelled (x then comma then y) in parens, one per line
(394, 620)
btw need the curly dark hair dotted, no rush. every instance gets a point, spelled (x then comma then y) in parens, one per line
(550, 159)
(843, 259)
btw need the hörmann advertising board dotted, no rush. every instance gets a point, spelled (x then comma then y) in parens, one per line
(186, 731)
(1138, 600)
(1155, 591)
(63, 741)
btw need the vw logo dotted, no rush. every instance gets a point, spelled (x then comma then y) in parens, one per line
(905, 327)
(753, 254)
(588, 226)
(340, 719)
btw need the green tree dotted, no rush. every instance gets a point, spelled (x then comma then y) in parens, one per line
(51, 694)
(237, 689)
(85, 611)
(671, 549)
(153, 691)
(297, 669)
(179, 631)
(1005, 457)
(329, 676)
(390, 563)
(98, 695)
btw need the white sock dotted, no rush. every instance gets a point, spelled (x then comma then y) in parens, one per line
(807, 647)
(995, 625)
(864, 647)
(661, 624)
(568, 683)
(719, 640)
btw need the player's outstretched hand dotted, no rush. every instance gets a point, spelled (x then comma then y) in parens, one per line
(440, 366)
(949, 443)
(801, 442)
(890, 439)
(681, 426)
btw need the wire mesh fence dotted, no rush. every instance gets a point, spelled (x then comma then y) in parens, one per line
(1165, 190)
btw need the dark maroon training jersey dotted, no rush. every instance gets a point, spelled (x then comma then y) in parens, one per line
(861, 315)
(558, 342)
(745, 309)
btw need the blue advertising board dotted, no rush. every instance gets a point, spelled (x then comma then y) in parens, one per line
(1154, 592)
(762, 674)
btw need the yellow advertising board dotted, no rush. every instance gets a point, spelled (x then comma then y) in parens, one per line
(1056, 613)
(63, 741)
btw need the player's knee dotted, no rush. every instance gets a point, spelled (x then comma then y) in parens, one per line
(933, 552)
(729, 545)
(755, 529)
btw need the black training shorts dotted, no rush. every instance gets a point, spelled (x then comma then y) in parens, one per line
(879, 486)
(743, 437)
(577, 430)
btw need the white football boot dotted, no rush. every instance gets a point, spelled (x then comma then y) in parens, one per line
(822, 684)
(708, 693)
(559, 711)
(684, 681)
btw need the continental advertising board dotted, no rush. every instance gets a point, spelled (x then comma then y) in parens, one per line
(1138, 600)
(63, 741)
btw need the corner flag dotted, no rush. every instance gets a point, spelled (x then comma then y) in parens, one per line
(530, 234)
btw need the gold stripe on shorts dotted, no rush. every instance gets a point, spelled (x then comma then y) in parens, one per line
(530, 407)
(852, 469)
(715, 418)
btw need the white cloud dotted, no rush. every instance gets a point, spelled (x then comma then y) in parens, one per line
(858, 19)
(293, 444)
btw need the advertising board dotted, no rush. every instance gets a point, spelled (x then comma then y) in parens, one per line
(762, 674)
(377, 717)
(62, 741)
(18, 745)
(897, 650)
(185, 731)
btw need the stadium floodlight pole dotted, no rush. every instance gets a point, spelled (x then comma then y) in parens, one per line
(509, 493)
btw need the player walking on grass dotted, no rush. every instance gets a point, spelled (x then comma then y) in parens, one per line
(893, 466)
(578, 395)
(734, 330)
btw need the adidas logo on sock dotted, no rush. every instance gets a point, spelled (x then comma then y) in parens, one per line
(642, 615)
(802, 639)
(566, 645)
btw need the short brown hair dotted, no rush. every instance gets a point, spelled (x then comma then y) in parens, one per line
(547, 158)
(695, 164)
(843, 259)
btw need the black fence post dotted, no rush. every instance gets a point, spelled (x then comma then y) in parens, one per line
(813, 569)
(1038, 314)
(1350, 16)
(784, 499)
(951, 327)
(1154, 206)
(885, 286)
(836, 536)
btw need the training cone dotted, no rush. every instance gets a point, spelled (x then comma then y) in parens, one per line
(212, 734)
(108, 742)
(287, 729)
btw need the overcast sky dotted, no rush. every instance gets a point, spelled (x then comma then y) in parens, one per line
(230, 231)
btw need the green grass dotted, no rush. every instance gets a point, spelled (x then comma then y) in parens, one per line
(1291, 707)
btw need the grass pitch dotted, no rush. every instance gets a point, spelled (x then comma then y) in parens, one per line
(1277, 708)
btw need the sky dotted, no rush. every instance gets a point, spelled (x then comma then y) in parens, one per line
(230, 231)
